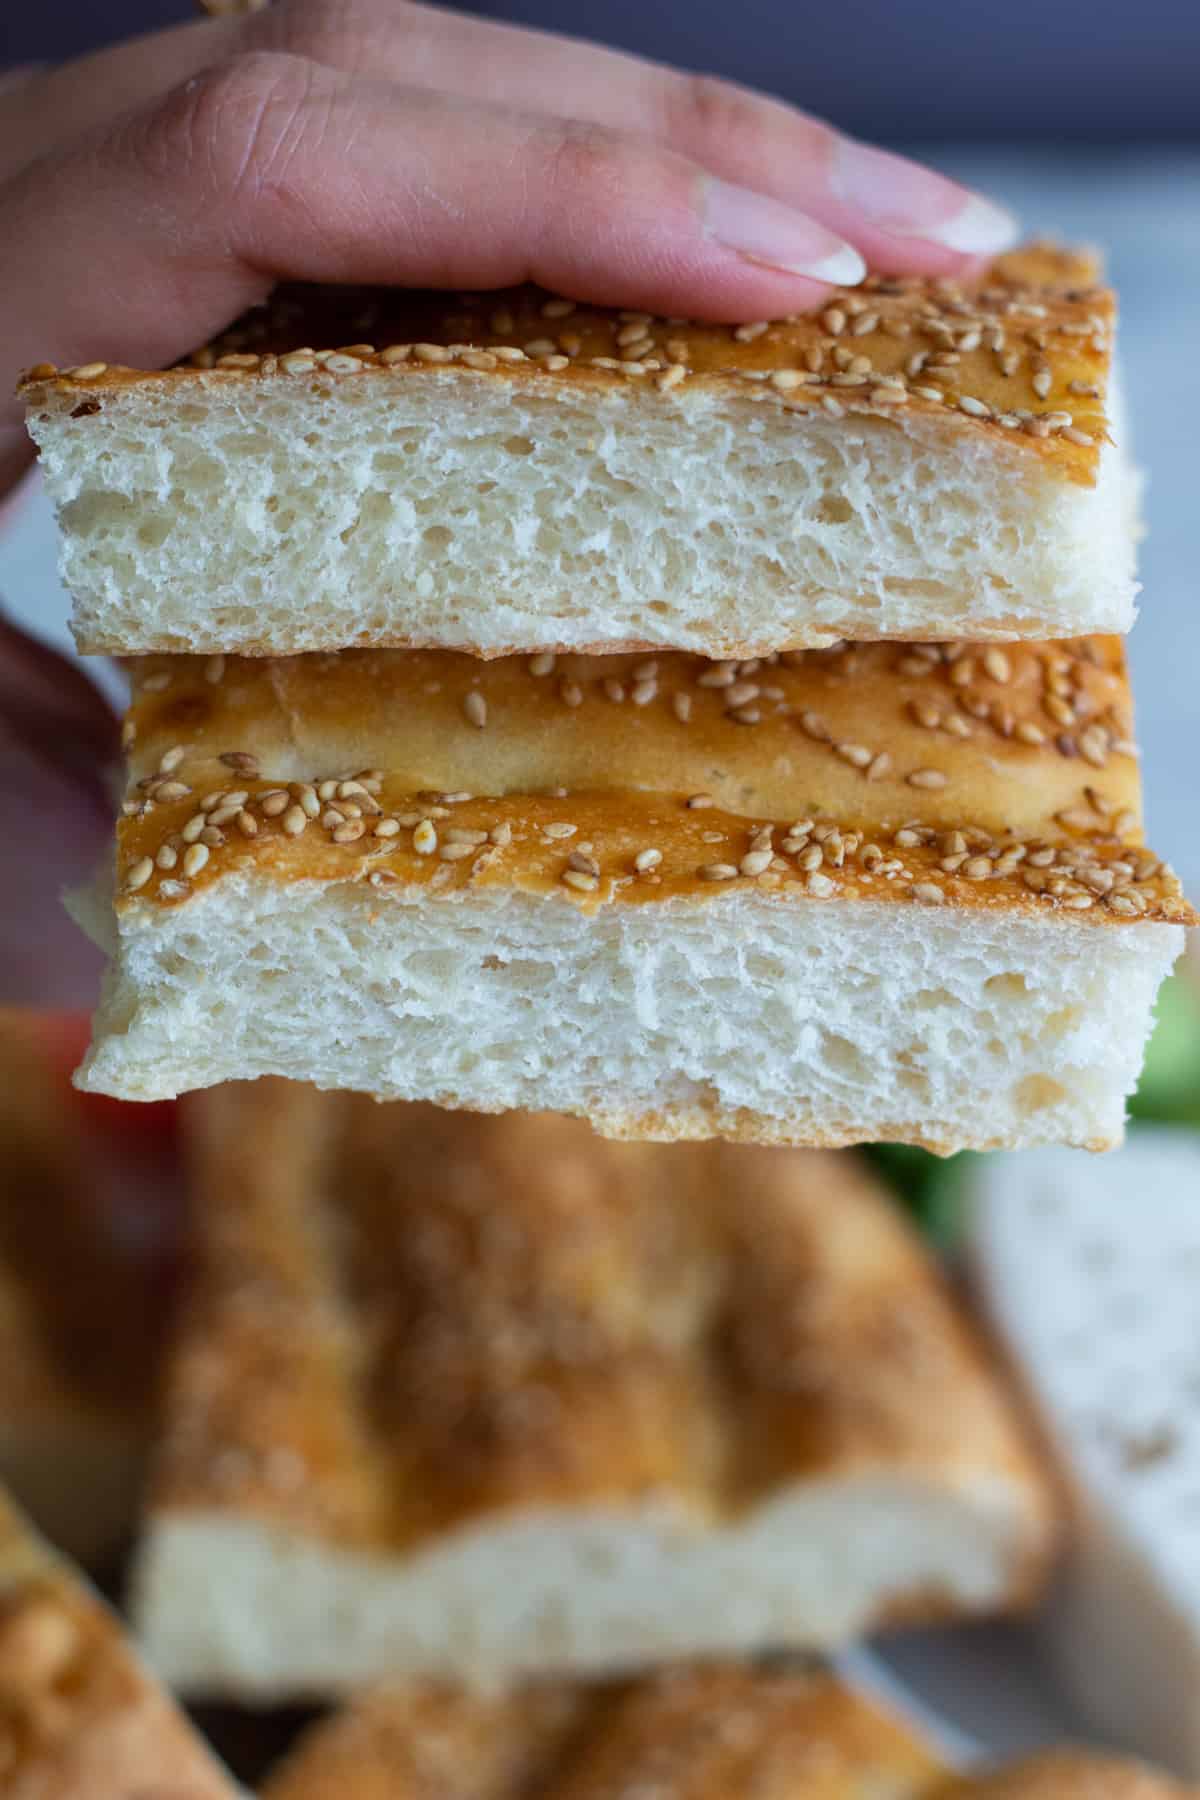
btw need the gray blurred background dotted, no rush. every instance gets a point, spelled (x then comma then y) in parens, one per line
(1084, 115)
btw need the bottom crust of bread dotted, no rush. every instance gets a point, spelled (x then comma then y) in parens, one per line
(743, 1014)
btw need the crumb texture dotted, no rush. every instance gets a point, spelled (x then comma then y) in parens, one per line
(866, 1020)
(459, 513)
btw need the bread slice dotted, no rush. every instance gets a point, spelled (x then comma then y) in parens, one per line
(779, 1733)
(513, 472)
(724, 1728)
(1089, 1270)
(482, 1397)
(832, 897)
(82, 1311)
(80, 1719)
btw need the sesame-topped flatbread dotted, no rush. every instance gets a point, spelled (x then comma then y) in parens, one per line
(880, 892)
(513, 471)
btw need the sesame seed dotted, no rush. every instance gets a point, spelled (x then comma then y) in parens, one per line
(647, 859)
(195, 825)
(273, 802)
(140, 874)
(643, 692)
(212, 837)
(670, 378)
(571, 693)
(87, 371)
(431, 353)
(560, 830)
(928, 892)
(977, 409)
(926, 778)
(542, 663)
(247, 824)
(834, 320)
(425, 838)
(718, 872)
(194, 859)
(1042, 383)
(614, 689)
(814, 726)
(698, 802)
(583, 862)
(682, 706)
(387, 828)
(294, 820)
(455, 852)
(820, 886)
(475, 708)
(349, 832)
(879, 766)
(997, 664)
(579, 879)
(307, 797)
(1083, 439)
(755, 862)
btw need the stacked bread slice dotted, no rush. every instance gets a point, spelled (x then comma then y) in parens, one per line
(677, 858)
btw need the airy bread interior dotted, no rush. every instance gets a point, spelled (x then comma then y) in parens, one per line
(788, 1021)
(475, 514)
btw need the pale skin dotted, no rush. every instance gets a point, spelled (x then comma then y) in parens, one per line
(151, 192)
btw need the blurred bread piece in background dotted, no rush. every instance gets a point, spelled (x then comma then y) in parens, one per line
(80, 1718)
(513, 471)
(778, 1731)
(486, 1397)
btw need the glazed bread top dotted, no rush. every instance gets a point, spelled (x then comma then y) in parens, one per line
(978, 775)
(1022, 355)
(695, 1732)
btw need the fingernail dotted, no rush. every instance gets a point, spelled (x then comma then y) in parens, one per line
(907, 200)
(766, 231)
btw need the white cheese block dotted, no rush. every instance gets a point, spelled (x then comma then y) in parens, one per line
(1090, 1270)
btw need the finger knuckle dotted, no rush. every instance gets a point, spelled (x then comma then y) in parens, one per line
(702, 111)
(588, 164)
(216, 123)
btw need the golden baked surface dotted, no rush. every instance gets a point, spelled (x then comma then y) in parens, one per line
(1023, 355)
(701, 1732)
(972, 775)
(78, 1718)
(406, 1321)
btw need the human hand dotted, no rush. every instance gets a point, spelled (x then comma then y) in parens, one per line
(151, 192)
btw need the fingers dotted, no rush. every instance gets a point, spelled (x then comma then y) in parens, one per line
(900, 215)
(275, 167)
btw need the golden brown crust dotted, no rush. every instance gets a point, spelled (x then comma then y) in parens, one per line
(963, 774)
(1022, 356)
(1070, 1775)
(406, 1323)
(698, 1732)
(79, 1720)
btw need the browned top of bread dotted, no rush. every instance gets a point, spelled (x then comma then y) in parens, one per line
(81, 1314)
(79, 1719)
(701, 1732)
(1070, 1775)
(976, 775)
(1022, 355)
(405, 1322)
